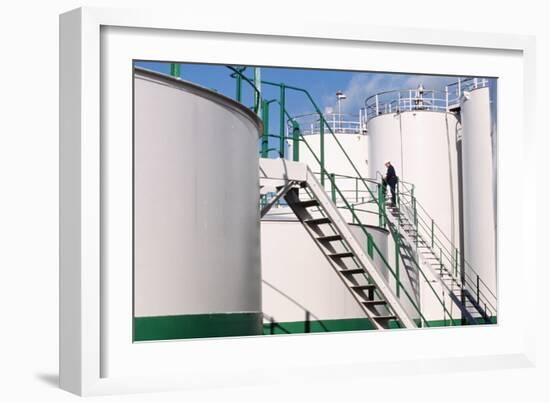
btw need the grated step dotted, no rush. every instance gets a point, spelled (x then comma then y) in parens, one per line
(384, 317)
(374, 302)
(363, 287)
(329, 238)
(340, 255)
(317, 221)
(352, 271)
(307, 203)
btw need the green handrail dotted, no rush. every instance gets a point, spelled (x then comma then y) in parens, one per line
(324, 173)
(379, 252)
(450, 252)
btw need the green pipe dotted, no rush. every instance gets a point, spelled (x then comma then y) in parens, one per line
(295, 141)
(381, 202)
(175, 70)
(282, 121)
(322, 161)
(239, 84)
(265, 134)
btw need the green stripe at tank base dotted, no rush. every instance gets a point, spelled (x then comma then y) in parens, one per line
(197, 326)
(318, 326)
(341, 325)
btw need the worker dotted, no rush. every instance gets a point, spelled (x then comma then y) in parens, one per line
(390, 179)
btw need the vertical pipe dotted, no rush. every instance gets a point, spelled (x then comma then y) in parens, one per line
(295, 141)
(239, 85)
(446, 99)
(477, 288)
(456, 261)
(282, 121)
(381, 206)
(265, 135)
(377, 109)
(333, 188)
(398, 102)
(258, 94)
(175, 70)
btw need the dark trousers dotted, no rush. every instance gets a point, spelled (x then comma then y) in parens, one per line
(392, 188)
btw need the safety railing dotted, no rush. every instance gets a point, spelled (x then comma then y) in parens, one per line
(420, 99)
(297, 139)
(341, 123)
(449, 255)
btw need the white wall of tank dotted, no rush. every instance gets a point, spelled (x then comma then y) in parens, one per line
(422, 146)
(176, 271)
(478, 193)
(197, 234)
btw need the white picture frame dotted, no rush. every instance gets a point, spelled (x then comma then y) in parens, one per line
(97, 357)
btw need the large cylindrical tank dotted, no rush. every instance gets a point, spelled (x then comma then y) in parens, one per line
(478, 202)
(345, 176)
(197, 265)
(301, 291)
(354, 144)
(421, 146)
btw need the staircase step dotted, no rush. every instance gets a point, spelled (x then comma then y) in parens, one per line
(352, 271)
(329, 238)
(384, 317)
(307, 203)
(340, 255)
(374, 302)
(363, 287)
(317, 221)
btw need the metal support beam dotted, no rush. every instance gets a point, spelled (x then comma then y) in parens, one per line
(175, 70)
(282, 121)
(280, 193)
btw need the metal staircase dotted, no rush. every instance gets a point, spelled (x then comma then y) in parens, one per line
(330, 231)
(332, 234)
(414, 243)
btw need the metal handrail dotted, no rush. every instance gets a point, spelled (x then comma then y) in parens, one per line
(450, 252)
(238, 73)
(379, 252)
(450, 255)
(402, 100)
(324, 172)
(436, 226)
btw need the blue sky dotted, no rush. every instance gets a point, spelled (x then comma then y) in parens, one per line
(321, 84)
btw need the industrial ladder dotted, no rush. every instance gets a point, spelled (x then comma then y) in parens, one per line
(463, 299)
(331, 233)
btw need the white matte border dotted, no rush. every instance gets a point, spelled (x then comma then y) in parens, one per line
(204, 363)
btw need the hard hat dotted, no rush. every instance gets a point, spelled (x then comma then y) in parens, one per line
(386, 162)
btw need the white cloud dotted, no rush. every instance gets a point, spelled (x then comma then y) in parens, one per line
(363, 85)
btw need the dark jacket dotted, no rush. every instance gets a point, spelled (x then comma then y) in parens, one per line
(391, 177)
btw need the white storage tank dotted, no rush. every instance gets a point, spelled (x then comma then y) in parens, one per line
(301, 291)
(422, 146)
(477, 170)
(197, 265)
(355, 145)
